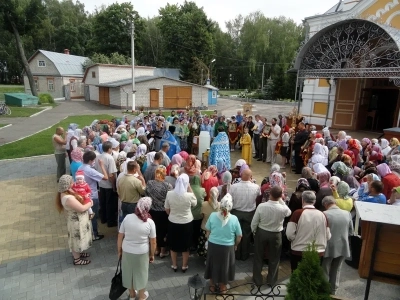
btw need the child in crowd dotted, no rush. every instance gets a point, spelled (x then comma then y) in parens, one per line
(82, 189)
(245, 142)
(395, 197)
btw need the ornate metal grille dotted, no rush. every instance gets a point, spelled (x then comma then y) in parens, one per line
(271, 293)
(354, 49)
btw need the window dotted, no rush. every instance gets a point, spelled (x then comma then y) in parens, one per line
(72, 87)
(50, 84)
(41, 63)
(214, 94)
(36, 83)
(93, 74)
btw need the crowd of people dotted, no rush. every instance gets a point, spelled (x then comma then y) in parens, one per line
(142, 177)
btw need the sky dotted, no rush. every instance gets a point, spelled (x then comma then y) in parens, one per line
(225, 10)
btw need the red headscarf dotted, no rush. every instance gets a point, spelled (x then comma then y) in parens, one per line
(190, 167)
(184, 155)
(352, 144)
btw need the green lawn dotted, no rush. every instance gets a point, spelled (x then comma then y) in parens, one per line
(2, 125)
(21, 111)
(40, 143)
(229, 92)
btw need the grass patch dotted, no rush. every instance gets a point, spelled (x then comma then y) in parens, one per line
(40, 143)
(17, 112)
(10, 89)
(2, 125)
(229, 92)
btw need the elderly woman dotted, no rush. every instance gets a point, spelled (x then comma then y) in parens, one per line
(178, 205)
(209, 179)
(224, 234)
(173, 175)
(208, 207)
(324, 189)
(275, 179)
(341, 195)
(175, 160)
(78, 223)
(157, 190)
(200, 194)
(389, 179)
(136, 245)
(308, 174)
(223, 189)
(77, 161)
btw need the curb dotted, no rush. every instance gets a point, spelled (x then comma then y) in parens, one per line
(43, 110)
(8, 125)
(34, 133)
(25, 158)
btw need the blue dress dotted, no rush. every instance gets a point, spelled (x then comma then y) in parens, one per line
(174, 147)
(220, 149)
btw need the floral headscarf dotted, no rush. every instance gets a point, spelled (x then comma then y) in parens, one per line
(302, 183)
(64, 183)
(190, 167)
(343, 190)
(141, 150)
(77, 155)
(142, 208)
(275, 168)
(225, 208)
(214, 197)
(383, 170)
(340, 168)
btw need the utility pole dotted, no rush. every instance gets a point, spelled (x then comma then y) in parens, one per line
(133, 65)
(262, 79)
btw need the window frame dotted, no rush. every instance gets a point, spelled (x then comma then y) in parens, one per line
(44, 63)
(48, 85)
(93, 74)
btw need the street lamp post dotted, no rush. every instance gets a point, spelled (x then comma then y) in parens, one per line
(209, 71)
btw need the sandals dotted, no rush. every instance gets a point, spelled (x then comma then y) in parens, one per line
(184, 269)
(81, 262)
(175, 268)
(84, 255)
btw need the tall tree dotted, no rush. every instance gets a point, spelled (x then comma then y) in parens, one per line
(111, 30)
(181, 45)
(22, 16)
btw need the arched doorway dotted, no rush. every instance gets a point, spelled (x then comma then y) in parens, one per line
(362, 58)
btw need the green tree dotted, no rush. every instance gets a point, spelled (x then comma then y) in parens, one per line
(111, 30)
(182, 45)
(22, 17)
(115, 59)
(153, 43)
(308, 281)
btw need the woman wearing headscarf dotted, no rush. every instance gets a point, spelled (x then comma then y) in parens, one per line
(324, 189)
(340, 169)
(77, 161)
(178, 205)
(394, 145)
(374, 154)
(354, 149)
(175, 160)
(149, 161)
(369, 168)
(341, 195)
(78, 224)
(295, 201)
(218, 124)
(190, 167)
(200, 194)
(341, 140)
(209, 179)
(389, 180)
(365, 143)
(319, 156)
(157, 190)
(385, 148)
(208, 207)
(184, 155)
(173, 175)
(239, 179)
(222, 168)
(307, 173)
(135, 232)
(223, 189)
(224, 234)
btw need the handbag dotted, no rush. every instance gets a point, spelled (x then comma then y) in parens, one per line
(117, 289)
(355, 246)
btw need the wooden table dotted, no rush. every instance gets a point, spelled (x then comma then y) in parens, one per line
(380, 252)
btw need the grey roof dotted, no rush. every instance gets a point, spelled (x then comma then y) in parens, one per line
(66, 64)
(166, 72)
(122, 82)
(211, 87)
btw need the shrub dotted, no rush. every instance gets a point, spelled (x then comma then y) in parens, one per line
(308, 281)
(46, 98)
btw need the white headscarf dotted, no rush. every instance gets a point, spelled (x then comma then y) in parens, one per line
(334, 180)
(182, 184)
(114, 142)
(128, 146)
(141, 150)
(319, 150)
(240, 163)
(384, 143)
(124, 165)
(140, 131)
(225, 209)
(150, 158)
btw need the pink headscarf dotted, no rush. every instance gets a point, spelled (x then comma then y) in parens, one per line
(324, 179)
(177, 160)
(142, 208)
(184, 155)
(77, 155)
(383, 170)
(242, 168)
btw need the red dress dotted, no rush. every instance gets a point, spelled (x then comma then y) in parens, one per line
(390, 181)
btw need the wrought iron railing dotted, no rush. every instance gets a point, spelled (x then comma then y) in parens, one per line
(263, 292)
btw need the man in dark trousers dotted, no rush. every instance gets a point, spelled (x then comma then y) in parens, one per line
(299, 139)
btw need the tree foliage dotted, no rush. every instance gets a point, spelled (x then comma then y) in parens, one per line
(181, 36)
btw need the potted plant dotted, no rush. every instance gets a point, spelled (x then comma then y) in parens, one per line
(308, 281)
